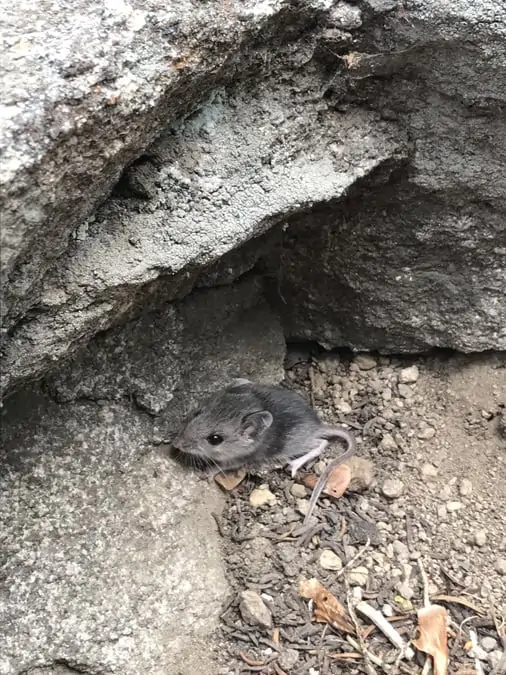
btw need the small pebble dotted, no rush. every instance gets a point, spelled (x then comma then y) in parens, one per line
(388, 443)
(262, 496)
(429, 472)
(489, 643)
(465, 487)
(500, 566)
(387, 610)
(442, 513)
(330, 561)
(426, 433)
(365, 361)
(405, 590)
(405, 390)
(302, 506)
(344, 408)
(479, 653)
(253, 610)
(288, 659)
(392, 488)
(409, 375)
(298, 490)
(358, 576)
(401, 551)
(494, 658)
(451, 507)
(480, 537)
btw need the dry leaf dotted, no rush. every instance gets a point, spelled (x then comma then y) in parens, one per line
(432, 622)
(229, 481)
(459, 600)
(336, 484)
(327, 609)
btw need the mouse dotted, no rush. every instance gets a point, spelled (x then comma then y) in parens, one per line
(250, 424)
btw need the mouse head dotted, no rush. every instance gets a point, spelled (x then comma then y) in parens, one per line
(226, 431)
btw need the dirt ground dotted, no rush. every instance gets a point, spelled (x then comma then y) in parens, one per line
(429, 503)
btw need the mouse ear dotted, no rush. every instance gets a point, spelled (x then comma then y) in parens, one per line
(255, 423)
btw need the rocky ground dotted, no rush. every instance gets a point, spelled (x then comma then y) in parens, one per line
(429, 502)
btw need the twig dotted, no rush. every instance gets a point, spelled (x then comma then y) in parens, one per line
(355, 558)
(386, 628)
(474, 641)
(425, 582)
(311, 381)
(372, 657)
(351, 609)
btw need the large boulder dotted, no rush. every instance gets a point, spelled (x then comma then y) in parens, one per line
(309, 111)
(111, 560)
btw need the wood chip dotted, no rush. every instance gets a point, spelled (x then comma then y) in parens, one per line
(229, 481)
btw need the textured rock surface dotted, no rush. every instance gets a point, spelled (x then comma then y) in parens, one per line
(110, 557)
(417, 101)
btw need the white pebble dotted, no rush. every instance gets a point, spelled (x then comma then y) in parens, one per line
(429, 471)
(451, 507)
(409, 375)
(500, 566)
(465, 487)
(262, 496)
(480, 537)
(358, 576)
(330, 561)
(426, 433)
(489, 643)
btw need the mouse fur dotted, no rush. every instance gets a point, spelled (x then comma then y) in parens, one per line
(247, 424)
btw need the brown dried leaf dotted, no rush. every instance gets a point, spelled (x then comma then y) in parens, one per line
(459, 600)
(229, 481)
(327, 609)
(337, 483)
(432, 623)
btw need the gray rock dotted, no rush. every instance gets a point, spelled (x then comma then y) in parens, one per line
(106, 537)
(222, 177)
(388, 442)
(465, 487)
(429, 472)
(405, 391)
(288, 659)
(365, 361)
(110, 551)
(254, 610)
(392, 488)
(298, 490)
(426, 433)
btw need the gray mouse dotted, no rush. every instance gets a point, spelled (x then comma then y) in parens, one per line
(249, 424)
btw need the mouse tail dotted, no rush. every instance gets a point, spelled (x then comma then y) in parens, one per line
(331, 433)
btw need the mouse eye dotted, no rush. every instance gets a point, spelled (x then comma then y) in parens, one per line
(215, 439)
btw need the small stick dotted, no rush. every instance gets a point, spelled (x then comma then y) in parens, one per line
(474, 641)
(355, 558)
(386, 628)
(367, 661)
(425, 582)
(372, 657)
